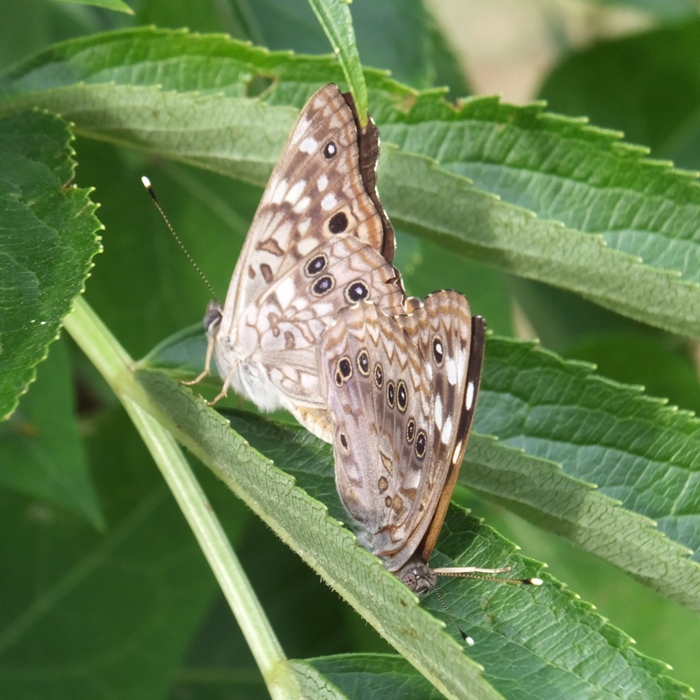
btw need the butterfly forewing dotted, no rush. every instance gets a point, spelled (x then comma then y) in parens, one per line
(401, 426)
(316, 191)
(319, 241)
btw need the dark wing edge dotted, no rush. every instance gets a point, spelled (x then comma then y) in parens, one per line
(368, 146)
(473, 377)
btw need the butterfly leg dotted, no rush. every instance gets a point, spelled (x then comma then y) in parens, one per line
(224, 389)
(207, 365)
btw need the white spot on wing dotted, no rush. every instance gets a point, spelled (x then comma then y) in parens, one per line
(461, 368)
(455, 454)
(306, 245)
(308, 145)
(295, 191)
(446, 434)
(302, 126)
(451, 367)
(322, 183)
(285, 291)
(328, 202)
(279, 191)
(469, 399)
(309, 382)
(438, 411)
(324, 310)
(302, 205)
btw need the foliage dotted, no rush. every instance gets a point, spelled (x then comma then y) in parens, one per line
(103, 585)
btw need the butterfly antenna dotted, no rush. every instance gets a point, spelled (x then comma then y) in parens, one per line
(147, 184)
(469, 641)
(486, 575)
(481, 575)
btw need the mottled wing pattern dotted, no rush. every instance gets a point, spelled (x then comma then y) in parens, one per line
(446, 332)
(283, 329)
(323, 185)
(319, 241)
(401, 398)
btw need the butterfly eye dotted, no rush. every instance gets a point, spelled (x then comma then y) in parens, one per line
(357, 291)
(343, 371)
(318, 264)
(438, 352)
(212, 318)
(330, 150)
(323, 285)
(421, 444)
(363, 362)
(401, 396)
(410, 430)
(390, 394)
(378, 376)
(338, 222)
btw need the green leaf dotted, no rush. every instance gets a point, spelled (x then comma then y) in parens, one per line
(114, 611)
(664, 9)
(657, 106)
(334, 17)
(46, 247)
(633, 447)
(596, 228)
(41, 450)
(373, 675)
(116, 5)
(662, 366)
(541, 492)
(512, 624)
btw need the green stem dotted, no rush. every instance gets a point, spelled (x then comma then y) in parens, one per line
(115, 366)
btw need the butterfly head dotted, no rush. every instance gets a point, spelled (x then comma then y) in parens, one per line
(417, 576)
(212, 318)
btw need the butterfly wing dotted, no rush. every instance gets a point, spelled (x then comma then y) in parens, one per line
(322, 185)
(445, 320)
(401, 396)
(279, 335)
(320, 204)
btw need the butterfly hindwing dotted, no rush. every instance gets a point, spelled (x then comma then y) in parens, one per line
(396, 391)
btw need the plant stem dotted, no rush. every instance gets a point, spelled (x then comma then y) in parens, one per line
(115, 365)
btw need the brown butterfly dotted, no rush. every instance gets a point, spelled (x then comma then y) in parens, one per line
(401, 391)
(320, 241)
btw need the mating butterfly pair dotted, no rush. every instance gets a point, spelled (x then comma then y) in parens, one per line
(316, 321)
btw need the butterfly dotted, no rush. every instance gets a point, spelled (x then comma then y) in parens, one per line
(320, 241)
(401, 392)
(316, 320)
